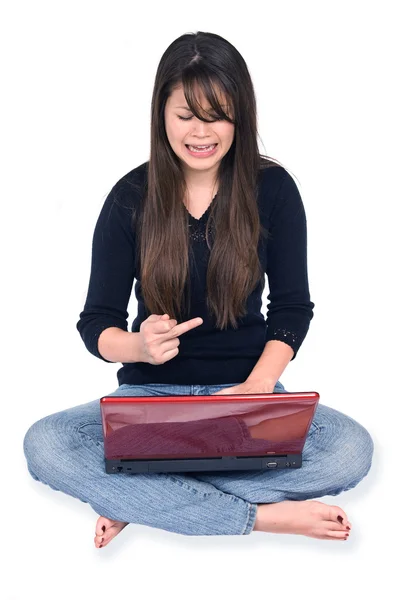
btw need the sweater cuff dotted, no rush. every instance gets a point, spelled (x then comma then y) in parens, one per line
(287, 336)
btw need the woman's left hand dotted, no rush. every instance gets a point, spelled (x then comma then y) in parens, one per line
(248, 387)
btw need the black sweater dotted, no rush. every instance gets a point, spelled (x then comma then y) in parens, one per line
(207, 355)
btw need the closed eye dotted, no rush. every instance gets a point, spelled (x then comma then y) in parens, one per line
(189, 118)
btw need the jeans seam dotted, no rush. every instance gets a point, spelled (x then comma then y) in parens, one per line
(78, 430)
(317, 428)
(190, 487)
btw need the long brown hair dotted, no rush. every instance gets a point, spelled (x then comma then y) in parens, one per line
(205, 61)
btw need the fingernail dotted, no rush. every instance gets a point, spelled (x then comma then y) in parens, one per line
(340, 519)
(349, 528)
(104, 528)
(100, 546)
(102, 540)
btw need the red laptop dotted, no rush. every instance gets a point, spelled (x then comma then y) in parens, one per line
(160, 434)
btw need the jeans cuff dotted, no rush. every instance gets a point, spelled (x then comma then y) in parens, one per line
(250, 524)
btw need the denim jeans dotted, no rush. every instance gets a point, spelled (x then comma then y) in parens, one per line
(65, 451)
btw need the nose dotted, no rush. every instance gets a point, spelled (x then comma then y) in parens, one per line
(201, 128)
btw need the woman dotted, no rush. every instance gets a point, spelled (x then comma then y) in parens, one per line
(198, 226)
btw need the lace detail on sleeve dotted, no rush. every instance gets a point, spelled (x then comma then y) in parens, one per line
(285, 335)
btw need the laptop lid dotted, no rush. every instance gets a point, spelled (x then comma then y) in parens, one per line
(170, 427)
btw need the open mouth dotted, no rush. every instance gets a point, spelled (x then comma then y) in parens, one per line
(202, 150)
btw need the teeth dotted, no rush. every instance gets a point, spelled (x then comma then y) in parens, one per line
(201, 148)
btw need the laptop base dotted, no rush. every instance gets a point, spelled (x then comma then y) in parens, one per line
(225, 463)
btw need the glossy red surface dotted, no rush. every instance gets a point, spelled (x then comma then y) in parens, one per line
(206, 426)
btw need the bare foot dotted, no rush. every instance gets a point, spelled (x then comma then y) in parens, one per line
(308, 517)
(106, 530)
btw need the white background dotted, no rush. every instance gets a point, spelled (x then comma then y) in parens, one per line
(77, 81)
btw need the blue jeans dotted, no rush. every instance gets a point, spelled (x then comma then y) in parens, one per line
(65, 451)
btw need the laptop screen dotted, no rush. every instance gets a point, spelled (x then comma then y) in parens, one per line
(206, 426)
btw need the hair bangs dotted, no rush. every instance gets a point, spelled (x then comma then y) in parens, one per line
(195, 79)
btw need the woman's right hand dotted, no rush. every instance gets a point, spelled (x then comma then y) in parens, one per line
(159, 337)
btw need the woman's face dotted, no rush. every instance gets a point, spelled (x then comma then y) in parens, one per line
(192, 131)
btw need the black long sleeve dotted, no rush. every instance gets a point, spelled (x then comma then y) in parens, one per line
(112, 273)
(207, 355)
(290, 310)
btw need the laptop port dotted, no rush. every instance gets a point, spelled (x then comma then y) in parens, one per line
(271, 465)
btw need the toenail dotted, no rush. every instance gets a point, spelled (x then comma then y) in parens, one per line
(104, 528)
(340, 519)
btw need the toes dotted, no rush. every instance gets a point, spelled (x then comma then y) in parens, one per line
(112, 532)
(334, 526)
(337, 535)
(106, 539)
(106, 530)
(102, 525)
(337, 514)
(99, 542)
